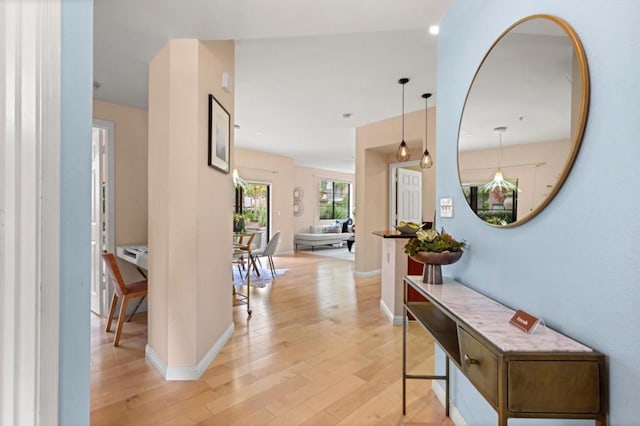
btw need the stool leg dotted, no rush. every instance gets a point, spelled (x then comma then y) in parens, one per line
(112, 310)
(121, 320)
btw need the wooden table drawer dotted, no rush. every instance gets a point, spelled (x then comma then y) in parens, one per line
(550, 386)
(480, 366)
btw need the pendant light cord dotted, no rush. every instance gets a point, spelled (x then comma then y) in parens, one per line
(403, 111)
(500, 130)
(500, 139)
(426, 123)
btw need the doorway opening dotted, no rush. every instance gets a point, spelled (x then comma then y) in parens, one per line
(254, 203)
(405, 193)
(102, 211)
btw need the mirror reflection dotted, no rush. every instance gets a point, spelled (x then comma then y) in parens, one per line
(523, 120)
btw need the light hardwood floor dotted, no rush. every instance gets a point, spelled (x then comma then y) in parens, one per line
(317, 351)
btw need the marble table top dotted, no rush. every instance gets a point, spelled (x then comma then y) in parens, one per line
(491, 319)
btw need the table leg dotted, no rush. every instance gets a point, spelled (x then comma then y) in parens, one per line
(249, 285)
(253, 262)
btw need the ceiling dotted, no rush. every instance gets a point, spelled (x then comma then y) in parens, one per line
(525, 84)
(300, 64)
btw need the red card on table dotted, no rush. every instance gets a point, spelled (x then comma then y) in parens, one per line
(524, 321)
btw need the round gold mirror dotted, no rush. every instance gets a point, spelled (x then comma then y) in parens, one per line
(523, 120)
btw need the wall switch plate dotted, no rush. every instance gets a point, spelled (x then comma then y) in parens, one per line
(226, 82)
(446, 207)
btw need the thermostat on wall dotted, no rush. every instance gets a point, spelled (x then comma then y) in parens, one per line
(446, 207)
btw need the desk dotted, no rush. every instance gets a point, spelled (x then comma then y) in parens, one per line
(138, 254)
(541, 375)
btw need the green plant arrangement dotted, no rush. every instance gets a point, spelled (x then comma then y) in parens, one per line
(433, 241)
(238, 222)
(434, 249)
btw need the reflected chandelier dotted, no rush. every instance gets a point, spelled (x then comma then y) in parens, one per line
(498, 183)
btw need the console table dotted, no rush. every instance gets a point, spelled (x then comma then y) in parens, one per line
(540, 375)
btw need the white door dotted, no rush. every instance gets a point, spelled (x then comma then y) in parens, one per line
(409, 196)
(97, 219)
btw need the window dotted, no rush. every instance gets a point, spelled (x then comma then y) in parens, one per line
(334, 199)
(253, 202)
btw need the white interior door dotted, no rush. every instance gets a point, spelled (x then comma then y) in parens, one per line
(409, 196)
(97, 219)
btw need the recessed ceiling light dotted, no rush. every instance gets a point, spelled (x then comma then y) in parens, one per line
(434, 29)
(259, 133)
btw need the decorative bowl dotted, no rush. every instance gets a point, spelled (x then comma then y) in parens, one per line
(405, 229)
(444, 258)
(432, 262)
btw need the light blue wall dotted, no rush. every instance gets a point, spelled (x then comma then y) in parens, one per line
(576, 264)
(75, 237)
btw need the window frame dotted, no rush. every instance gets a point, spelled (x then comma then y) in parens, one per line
(333, 181)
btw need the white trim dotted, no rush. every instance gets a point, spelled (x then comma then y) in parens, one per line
(367, 274)
(155, 360)
(110, 214)
(392, 188)
(395, 319)
(454, 413)
(189, 373)
(30, 72)
(51, 73)
(110, 186)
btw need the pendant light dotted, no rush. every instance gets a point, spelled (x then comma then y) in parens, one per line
(403, 153)
(498, 183)
(426, 161)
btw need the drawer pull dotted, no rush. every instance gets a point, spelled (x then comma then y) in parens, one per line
(470, 361)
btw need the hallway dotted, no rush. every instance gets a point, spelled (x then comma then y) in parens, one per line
(318, 350)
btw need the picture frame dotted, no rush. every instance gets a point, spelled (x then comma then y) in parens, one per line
(219, 135)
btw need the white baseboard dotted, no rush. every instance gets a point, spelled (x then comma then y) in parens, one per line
(171, 373)
(454, 413)
(367, 274)
(155, 360)
(395, 319)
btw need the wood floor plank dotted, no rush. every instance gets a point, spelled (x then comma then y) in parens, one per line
(318, 350)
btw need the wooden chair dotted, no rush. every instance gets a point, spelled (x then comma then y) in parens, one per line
(242, 244)
(121, 290)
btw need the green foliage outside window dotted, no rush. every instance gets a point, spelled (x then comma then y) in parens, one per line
(334, 200)
(255, 204)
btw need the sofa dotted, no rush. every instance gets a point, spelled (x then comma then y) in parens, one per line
(321, 235)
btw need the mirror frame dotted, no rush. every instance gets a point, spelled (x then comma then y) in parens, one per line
(576, 140)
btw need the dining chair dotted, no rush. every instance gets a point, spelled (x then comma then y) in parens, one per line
(122, 291)
(268, 252)
(242, 244)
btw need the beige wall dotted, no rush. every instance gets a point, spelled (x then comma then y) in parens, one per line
(130, 164)
(308, 179)
(214, 223)
(537, 167)
(278, 171)
(189, 227)
(375, 150)
(158, 316)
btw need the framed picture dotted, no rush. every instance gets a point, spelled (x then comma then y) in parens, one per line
(219, 135)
